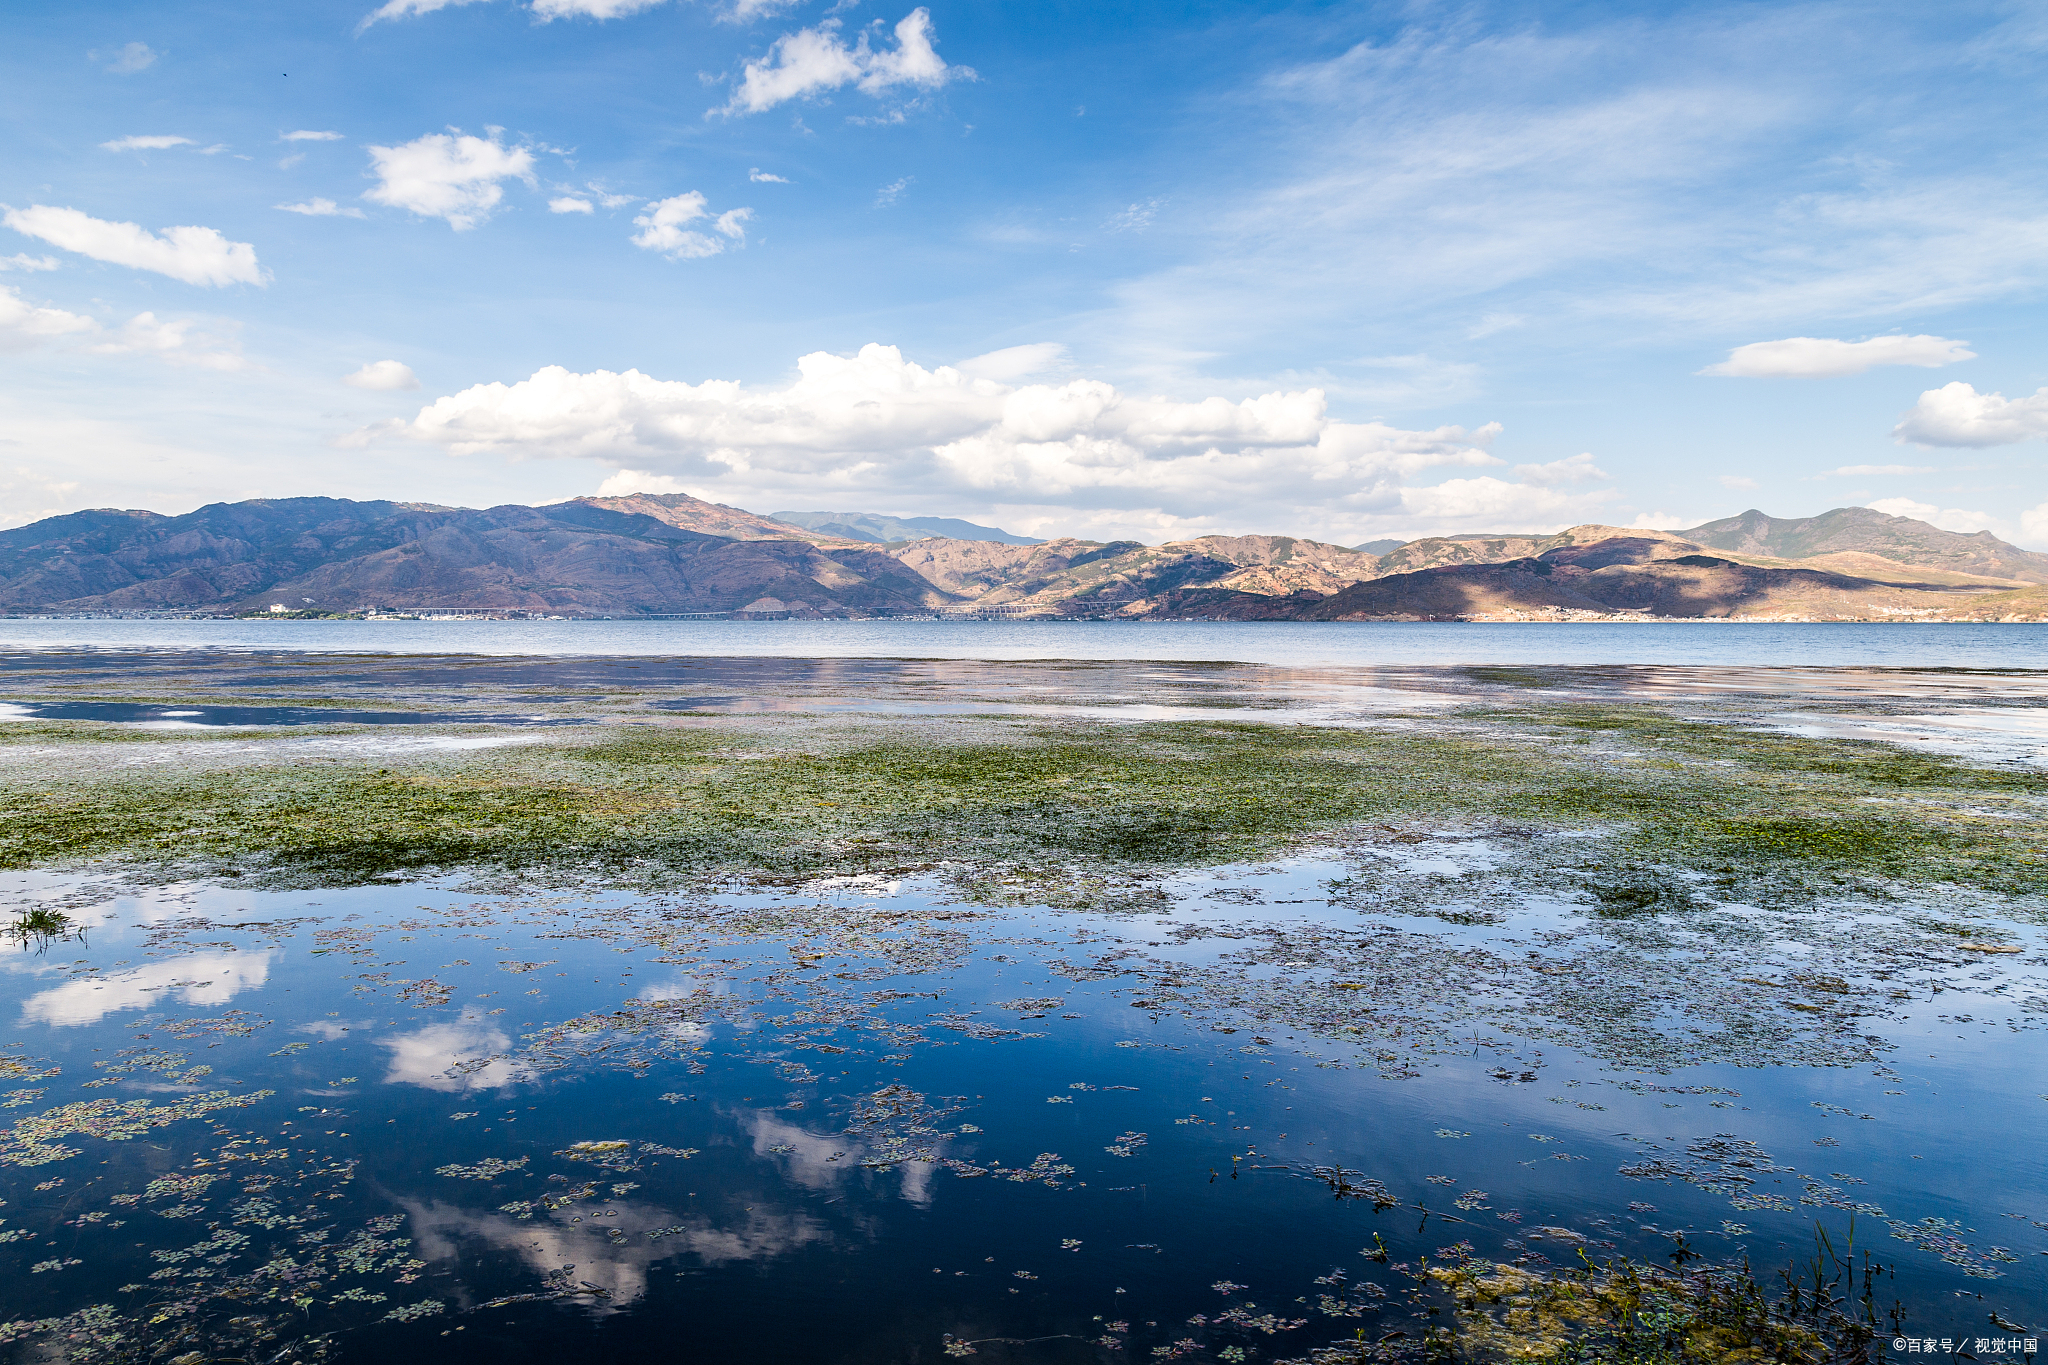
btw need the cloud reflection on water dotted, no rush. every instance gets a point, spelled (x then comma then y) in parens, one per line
(548, 1242)
(427, 1057)
(201, 979)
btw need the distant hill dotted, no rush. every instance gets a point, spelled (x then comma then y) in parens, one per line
(588, 556)
(1860, 530)
(877, 529)
(650, 554)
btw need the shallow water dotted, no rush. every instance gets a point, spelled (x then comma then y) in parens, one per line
(856, 1118)
(1279, 643)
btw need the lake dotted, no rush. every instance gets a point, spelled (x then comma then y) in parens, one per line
(1099, 1010)
(1279, 643)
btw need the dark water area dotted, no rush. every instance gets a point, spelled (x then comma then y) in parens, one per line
(859, 1120)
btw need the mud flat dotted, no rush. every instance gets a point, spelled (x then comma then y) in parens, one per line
(872, 1010)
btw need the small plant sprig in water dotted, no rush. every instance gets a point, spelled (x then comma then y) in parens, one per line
(41, 926)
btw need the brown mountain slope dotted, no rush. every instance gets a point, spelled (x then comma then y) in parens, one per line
(1630, 576)
(1900, 539)
(580, 557)
(711, 518)
(1686, 587)
(1082, 578)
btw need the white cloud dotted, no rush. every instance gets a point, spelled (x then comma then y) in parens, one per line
(402, 9)
(448, 175)
(761, 177)
(744, 10)
(196, 255)
(812, 61)
(874, 425)
(1701, 170)
(1015, 362)
(892, 191)
(1858, 471)
(662, 228)
(1957, 519)
(310, 135)
(383, 374)
(176, 342)
(1576, 469)
(611, 201)
(1737, 482)
(569, 203)
(1824, 358)
(2034, 525)
(1957, 415)
(196, 979)
(590, 9)
(145, 142)
(127, 59)
(23, 324)
(320, 208)
(25, 262)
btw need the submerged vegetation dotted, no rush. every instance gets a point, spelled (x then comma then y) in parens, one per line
(796, 797)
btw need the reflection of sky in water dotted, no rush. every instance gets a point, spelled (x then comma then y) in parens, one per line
(1994, 734)
(428, 1057)
(772, 1206)
(199, 979)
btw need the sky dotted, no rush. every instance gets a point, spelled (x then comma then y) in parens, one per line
(1348, 271)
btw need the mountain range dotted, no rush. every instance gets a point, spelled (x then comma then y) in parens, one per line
(667, 554)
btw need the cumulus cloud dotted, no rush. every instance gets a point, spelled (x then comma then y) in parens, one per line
(875, 425)
(145, 142)
(662, 228)
(893, 191)
(25, 262)
(812, 61)
(383, 374)
(448, 175)
(1959, 519)
(569, 203)
(127, 59)
(761, 177)
(310, 135)
(2034, 525)
(1825, 358)
(196, 255)
(23, 324)
(1957, 415)
(320, 208)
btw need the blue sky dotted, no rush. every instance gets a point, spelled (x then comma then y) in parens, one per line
(1347, 271)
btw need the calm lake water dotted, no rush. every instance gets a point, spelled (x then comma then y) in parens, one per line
(1279, 643)
(856, 1121)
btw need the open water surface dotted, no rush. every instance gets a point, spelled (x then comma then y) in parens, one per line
(1278, 643)
(858, 1120)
